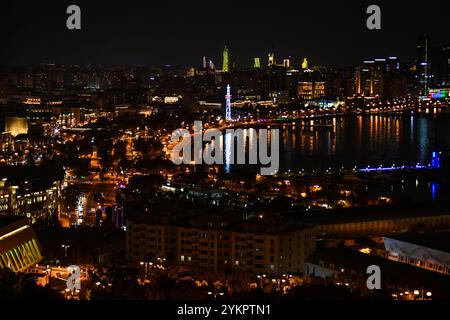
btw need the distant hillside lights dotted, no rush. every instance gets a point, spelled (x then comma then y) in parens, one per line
(217, 146)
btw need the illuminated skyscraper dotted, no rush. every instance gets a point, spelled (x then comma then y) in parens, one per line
(423, 63)
(305, 63)
(225, 67)
(287, 63)
(257, 63)
(228, 104)
(271, 59)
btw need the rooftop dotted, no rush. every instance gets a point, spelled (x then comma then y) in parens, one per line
(437, 240)
(7, 220)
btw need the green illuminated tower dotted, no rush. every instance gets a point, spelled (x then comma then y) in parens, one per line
(257, 63)
(225, 67)
(305, 63)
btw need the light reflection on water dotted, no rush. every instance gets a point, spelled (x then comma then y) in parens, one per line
(361, 141)
(364, 140)
(375, 140)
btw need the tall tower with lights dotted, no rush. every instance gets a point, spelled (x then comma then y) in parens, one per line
(423, 63)
(228, 104)
(226, 62)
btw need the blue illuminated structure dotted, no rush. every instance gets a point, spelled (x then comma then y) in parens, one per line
(228, 104)
(394, 168)
(435, 161)
(435, 164)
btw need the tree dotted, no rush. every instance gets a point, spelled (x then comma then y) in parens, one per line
(70, 197)
(23, 287)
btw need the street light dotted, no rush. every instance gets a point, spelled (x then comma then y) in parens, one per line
(48, 272)
(65, 246)
(215, 293)
(145, 264)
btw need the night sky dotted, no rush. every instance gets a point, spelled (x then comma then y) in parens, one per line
(157, 32)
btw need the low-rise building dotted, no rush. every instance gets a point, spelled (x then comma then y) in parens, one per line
(35, 202)
(19, 245)
(427, 251)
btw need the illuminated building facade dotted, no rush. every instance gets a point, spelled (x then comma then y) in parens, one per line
(442, 93)
(309, 90)
(381, 77)
(16, 126)
(34, 203)
(369, 79)
(19, 245)
(271, 60)
(226, 60)
(305, 63)
(257, 63)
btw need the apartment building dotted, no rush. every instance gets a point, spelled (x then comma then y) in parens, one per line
(252, 246)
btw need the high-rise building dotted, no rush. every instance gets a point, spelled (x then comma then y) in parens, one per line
(257, 63)
(423, 65)
(226, 61)
(392, 63)
(211, 65)
(381, 77)
(277, 81)
(446, 52)
(369, 78)
(339, 83)
(287, 63)
(440, 66)
(271, 59)
(305, 63)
